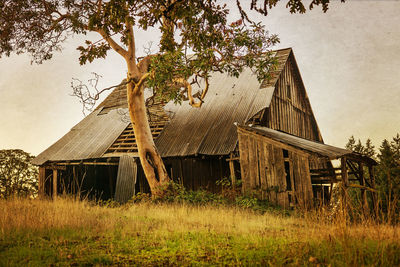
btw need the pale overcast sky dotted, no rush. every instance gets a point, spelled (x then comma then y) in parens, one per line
(349, 59)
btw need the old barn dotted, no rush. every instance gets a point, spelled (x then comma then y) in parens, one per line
(98, 156)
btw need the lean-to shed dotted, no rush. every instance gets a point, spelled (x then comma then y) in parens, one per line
(199, 145)
(279, 167)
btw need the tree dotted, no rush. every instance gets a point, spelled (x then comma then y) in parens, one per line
(368, 149)
(388, 176)
(196, 27)
(17, 174)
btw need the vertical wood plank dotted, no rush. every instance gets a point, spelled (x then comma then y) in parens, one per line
(252, 162)
(307, 183)
(55, 183)
(272, 173)
(262, 165)
(232, 169)
(244, 160)
(280, 175)
(296, 177)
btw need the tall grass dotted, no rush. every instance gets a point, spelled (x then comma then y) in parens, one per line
(66, 231)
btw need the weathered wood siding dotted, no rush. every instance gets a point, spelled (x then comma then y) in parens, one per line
(198, 172)
(290, 110)
(264, 173)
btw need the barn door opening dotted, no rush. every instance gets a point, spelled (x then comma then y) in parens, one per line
(126, 179)
(288, 176)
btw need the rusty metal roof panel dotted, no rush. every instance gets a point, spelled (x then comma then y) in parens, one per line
(89, 139)
(210, 130)
(331, 152)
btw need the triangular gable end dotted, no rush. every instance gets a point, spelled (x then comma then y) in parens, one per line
(290, 109)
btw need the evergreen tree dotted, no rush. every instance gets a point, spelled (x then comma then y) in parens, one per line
(388, 175)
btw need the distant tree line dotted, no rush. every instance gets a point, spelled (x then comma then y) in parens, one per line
(387, 172)
(18, 176)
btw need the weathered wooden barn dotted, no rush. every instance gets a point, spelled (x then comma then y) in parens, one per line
(289, 170)
(98, 156)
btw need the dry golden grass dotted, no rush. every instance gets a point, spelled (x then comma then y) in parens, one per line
(44, 214)
(155, 225)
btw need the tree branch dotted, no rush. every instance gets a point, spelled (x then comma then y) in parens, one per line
(188, 87)
(131, 40)
(117, 48)
(140, 83)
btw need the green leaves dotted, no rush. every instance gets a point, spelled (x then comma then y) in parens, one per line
(92, 51)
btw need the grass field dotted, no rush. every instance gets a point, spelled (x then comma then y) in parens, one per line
(72, 233)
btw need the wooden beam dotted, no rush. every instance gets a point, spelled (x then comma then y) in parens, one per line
(363, 190)
(353, 168)
(232, 170)
(362, 187)
(54, 183)
(324, 170)
(231, 158)
(345, 181)
(55, 166)
(345, 177)
(88, 163)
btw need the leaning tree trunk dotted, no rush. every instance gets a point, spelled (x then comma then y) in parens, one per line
(150, 159)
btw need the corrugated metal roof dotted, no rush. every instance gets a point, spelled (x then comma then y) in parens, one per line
(207, 130)
(331, 152)
(89, 139)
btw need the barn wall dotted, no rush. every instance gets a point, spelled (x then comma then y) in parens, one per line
(198, 172)
(290, 110)
(92, 182)
(99, 182)
(274, 171)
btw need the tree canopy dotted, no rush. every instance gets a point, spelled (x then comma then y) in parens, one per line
(18, 177)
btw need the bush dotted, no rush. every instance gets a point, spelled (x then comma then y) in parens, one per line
(229, 196)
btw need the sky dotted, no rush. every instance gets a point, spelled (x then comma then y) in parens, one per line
(349, 60)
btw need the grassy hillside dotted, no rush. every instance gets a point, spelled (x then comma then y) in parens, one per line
(67, 232)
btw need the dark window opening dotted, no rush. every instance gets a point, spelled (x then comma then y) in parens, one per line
(285, 153)
(288, 181)
(288, 91)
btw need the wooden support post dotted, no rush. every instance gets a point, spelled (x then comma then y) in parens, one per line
(345, 177)
(374, 194)
(345, 183)
(41, 181)
(232, 170)
(54, 183)
(363, 191)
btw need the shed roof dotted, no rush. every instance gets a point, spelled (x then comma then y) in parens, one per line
(89, 139)
(208, 130)
(329, 151)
